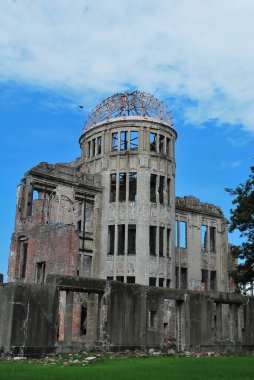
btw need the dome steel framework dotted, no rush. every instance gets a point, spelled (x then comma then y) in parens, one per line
(129, 104)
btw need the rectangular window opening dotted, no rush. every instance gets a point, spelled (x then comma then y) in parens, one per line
(153, 142)
(114, 147)
(111, 239)
(152, 318)
(40, 272)
(183, 235)
(93, 147)
(120, 278)
(112, 197)
(168, 283)
(161, 241)
(168, 242)
(168, 191)
(89, 149)
(99, 145)
(152, 240)
(184, 279)
(212, 239)
(134, 140)
(121, 239)
(153, 178)
(110, 278)
(204, 230)
(122, 187)
(161, 143)
(23, 257)
(213, 280)
(130, 280)
(204, 279)
(161, 282)
(152, 281)
(161, 190)
(132, 186)
(131, 239)
(168, 147)
(124, 140)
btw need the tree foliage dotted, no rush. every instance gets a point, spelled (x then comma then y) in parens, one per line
(242, 219)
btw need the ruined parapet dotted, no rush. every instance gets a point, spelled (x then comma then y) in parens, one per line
(193, 204)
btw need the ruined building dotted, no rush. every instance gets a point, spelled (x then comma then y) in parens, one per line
(113, 214)
(104, 254)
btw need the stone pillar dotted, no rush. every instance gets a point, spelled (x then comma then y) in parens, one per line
(68, 317)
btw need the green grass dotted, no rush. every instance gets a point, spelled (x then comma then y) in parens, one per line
(161, 368)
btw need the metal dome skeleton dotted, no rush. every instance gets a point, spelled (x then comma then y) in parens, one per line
(129, 104)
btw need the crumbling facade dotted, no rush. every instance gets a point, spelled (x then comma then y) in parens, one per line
(113, 215)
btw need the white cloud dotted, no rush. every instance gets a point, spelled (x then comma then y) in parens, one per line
(199, 49)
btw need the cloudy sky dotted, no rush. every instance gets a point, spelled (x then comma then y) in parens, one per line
(195, 55)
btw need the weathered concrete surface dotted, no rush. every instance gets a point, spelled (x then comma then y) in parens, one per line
(122, 315)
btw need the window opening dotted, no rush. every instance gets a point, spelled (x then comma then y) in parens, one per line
(120, 278)
(93, 147)
(153, 142)
(131, 239)
(152, 316)
(99, 145)
(121, 238)
(152, 281)
(130, 280)
(213, 280)
(168, 283)
(161, 189)
(152, 240)
(177, 277)
(168, 147)
(134, 140)
(212, 239)
(168, 190)
(153, 188)
(204, 278)
(112, 197)
(124, 140)
(114, 141)
(122, 187)
(161, 241)
(184, 278)
(111, 239)
(40, 272)
(161, 282)
(204, 230)
(176, 233)
(110, 278)
(132, 186)
(183, 235)
(83, 320)
(23, 257)
(89, 149)
(161, 143)
(168, 241)
(79, 225)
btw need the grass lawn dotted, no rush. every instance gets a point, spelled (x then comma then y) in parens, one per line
(223, 368)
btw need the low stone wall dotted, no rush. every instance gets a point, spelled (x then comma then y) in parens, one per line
(113, 315)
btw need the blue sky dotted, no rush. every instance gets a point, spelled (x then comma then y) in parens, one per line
(197, 56)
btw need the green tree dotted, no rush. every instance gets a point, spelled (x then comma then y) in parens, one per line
(242, 219)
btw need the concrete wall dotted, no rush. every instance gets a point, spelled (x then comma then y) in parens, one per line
(121, 315)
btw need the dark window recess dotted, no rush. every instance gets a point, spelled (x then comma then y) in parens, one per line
(121, 239)
(177, 277)
(79, 225)
(213, 280)
(161, 241)
(153, 188)
(93, 147)
(161, 282)
(152, 240)
(89, 149)
(132, 186)
(134, 140)
(131, 239)
(130, 280)
(168, 190)
(153, 142)
(204, 238)
(83, 320)
(111, 239)
(23, 258)
(168, 283)
(183, 234)
(161, 144)
(152, 316)
(115, 141)
(112, 197)
(204, 278)
(184, 279)
(212, 239)
(152, 281)
(161, 189)
(40, 272)
(176, 233)
(99, 145)
(124, 140)
(120, 278)
(168, 241)
(110, 278)
(29, 208)
(168, 147)
(122, 187)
